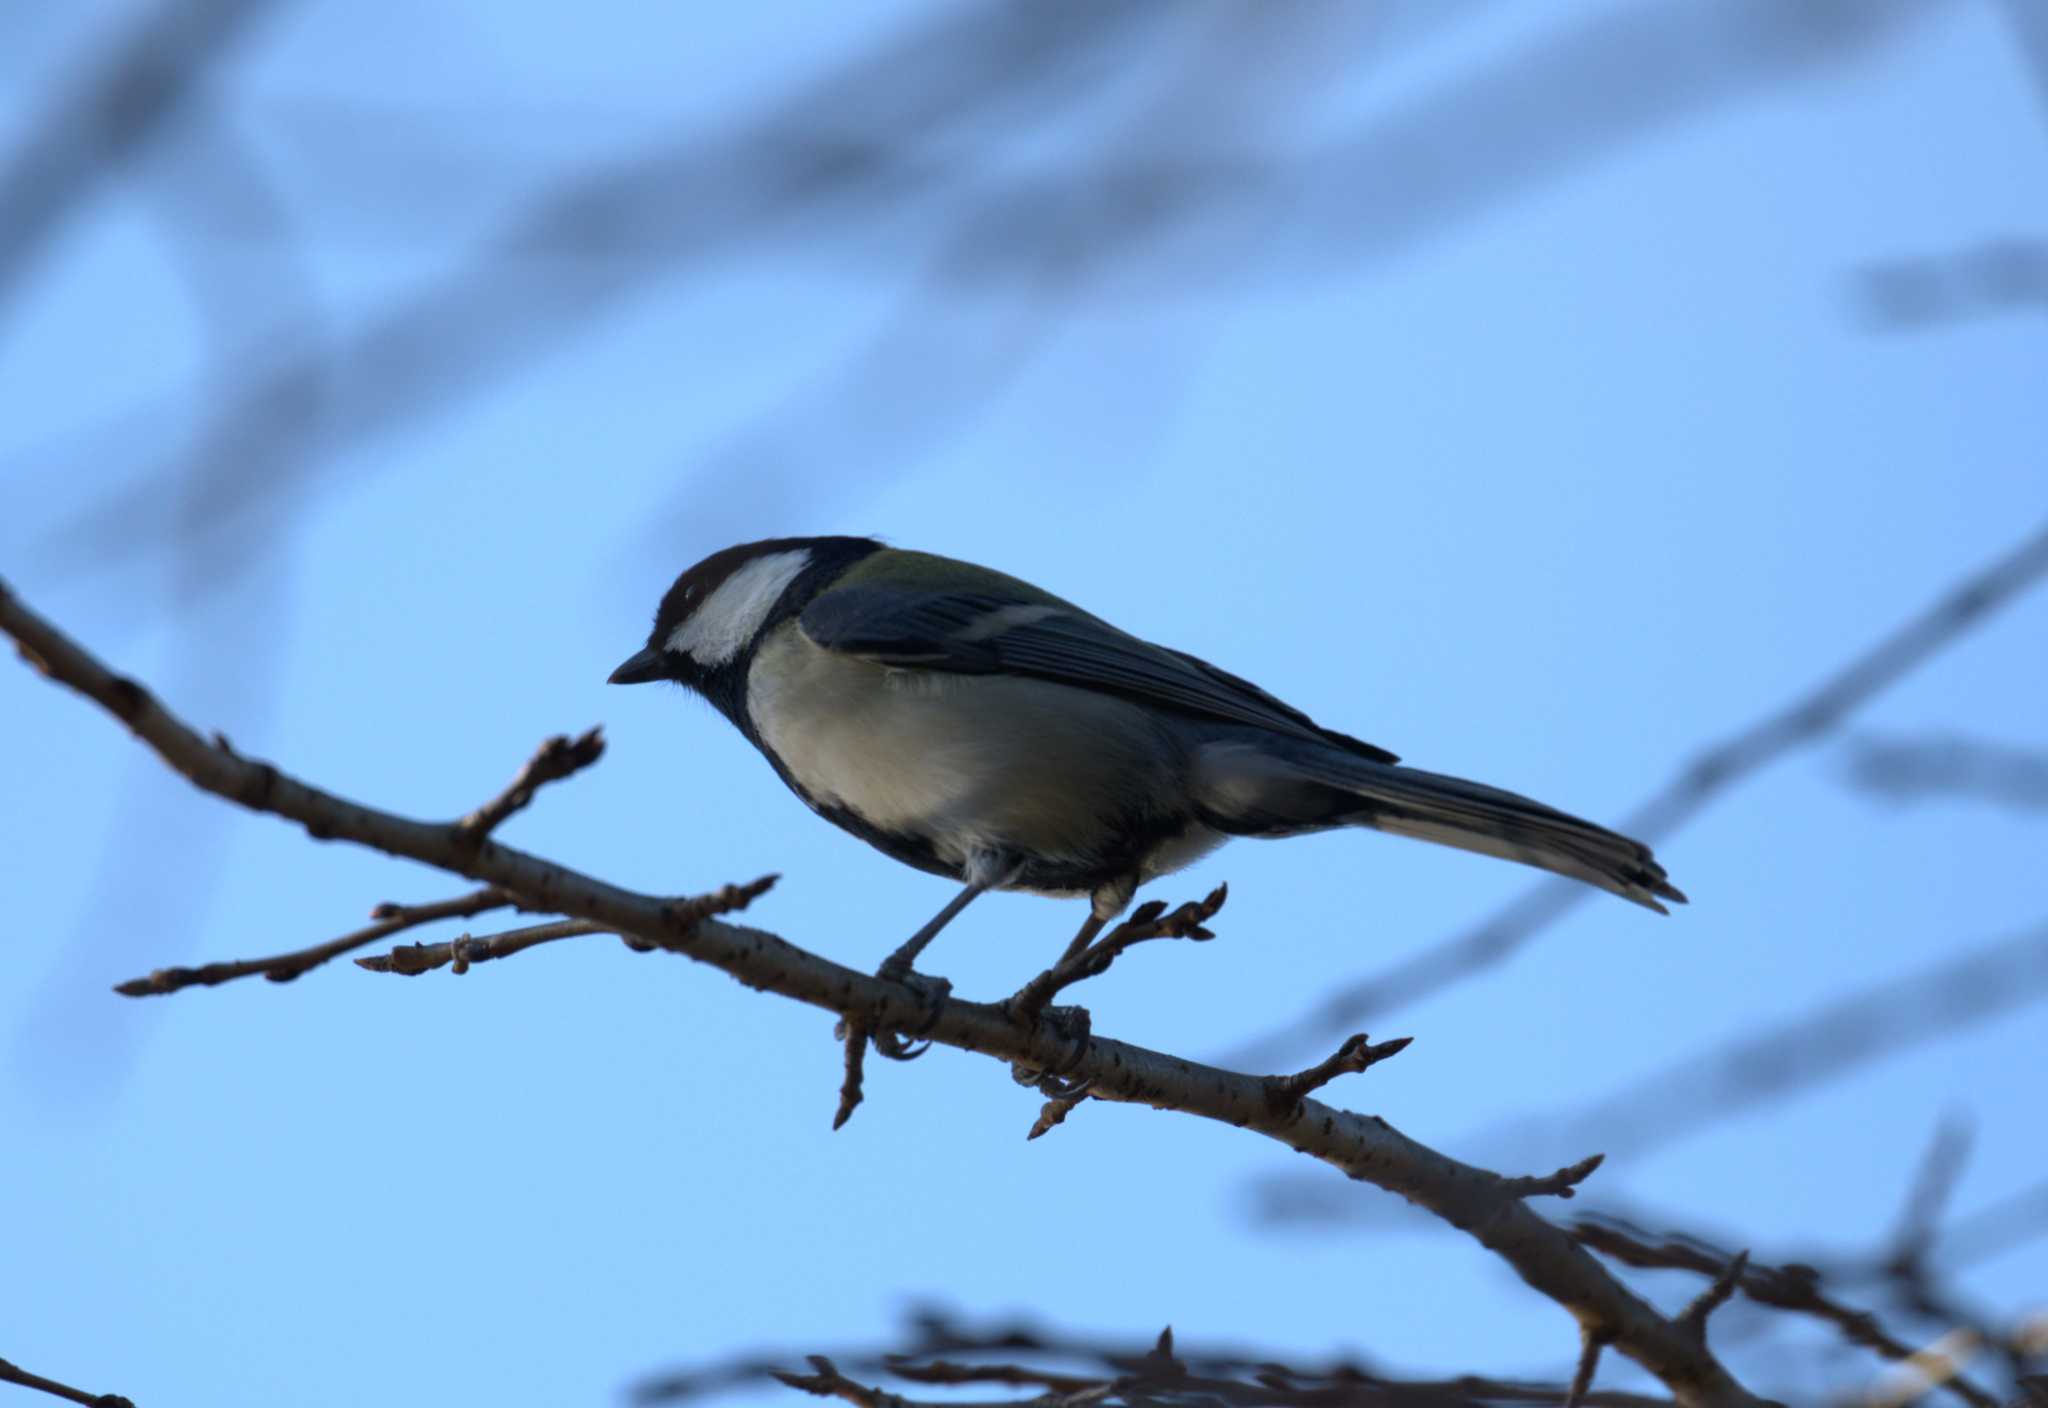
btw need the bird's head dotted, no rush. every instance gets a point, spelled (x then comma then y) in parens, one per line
(714, 615)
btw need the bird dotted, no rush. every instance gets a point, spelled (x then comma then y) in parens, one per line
(980, 728)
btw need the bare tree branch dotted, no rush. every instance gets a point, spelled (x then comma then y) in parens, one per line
(283, 967)
(1054, 1112)
(1694, 1316)
(1792, 1287)
(1148, 921)
(15, 1374)
(1710, 772)
(557, 758)
(1479, 1203)
(1357, 1054)
(411, 960)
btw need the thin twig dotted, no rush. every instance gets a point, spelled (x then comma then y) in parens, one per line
(1590, 1347)
(683, 916)
(828, 1382)
(1716, 1295)
(283, 967)
(1053, 1113)
(1072, 1370)
(1148, 921)
(559, 757)
(1017, 1375)
(1941, 1167)
(855, 1038)
(1562, 1184)
(411, 960)
(15, 1374)
(1355, 1055)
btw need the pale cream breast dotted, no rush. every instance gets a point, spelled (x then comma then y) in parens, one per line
(976, 762)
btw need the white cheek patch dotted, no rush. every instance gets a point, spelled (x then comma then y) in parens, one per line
(728, 620)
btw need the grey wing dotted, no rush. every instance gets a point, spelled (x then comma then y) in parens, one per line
(984, 633)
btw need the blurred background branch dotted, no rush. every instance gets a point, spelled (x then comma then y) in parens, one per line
(127, 95)
(1810, 718)
(1903, 771)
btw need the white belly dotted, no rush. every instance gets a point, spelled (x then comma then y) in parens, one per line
(977, 764)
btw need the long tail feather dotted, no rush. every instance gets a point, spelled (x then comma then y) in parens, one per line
(1263, 790)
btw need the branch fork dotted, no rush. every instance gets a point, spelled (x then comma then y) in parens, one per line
(1357, 1054)
(557, 758)
(1148, 921)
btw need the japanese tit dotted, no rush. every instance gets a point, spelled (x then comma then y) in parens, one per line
(976, 727)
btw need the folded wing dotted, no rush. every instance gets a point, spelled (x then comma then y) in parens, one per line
(987, 632)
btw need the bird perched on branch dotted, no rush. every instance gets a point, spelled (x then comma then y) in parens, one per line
(974, 726)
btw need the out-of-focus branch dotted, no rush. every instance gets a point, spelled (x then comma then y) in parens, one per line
(2010, 1221)
(1482, 1204)
(1696, 1313)
(2029, 25)
(872, 149)
(104, 115)
(1904, 770)
(1077, 1370)
(1813, 1046)
(1705, 777)
(1816, 1045)
(1792, 1287)
(15, 1374)
(1909, 295)
(585, 246)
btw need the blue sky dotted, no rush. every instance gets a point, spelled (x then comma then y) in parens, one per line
(1543, 476)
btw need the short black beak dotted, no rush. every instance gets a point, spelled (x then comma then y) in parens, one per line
(640, 667)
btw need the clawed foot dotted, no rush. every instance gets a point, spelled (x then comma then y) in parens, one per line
(1069, 1023)
(934, 993)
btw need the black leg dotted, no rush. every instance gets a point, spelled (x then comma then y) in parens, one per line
(1089, 929)
(897, 965)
